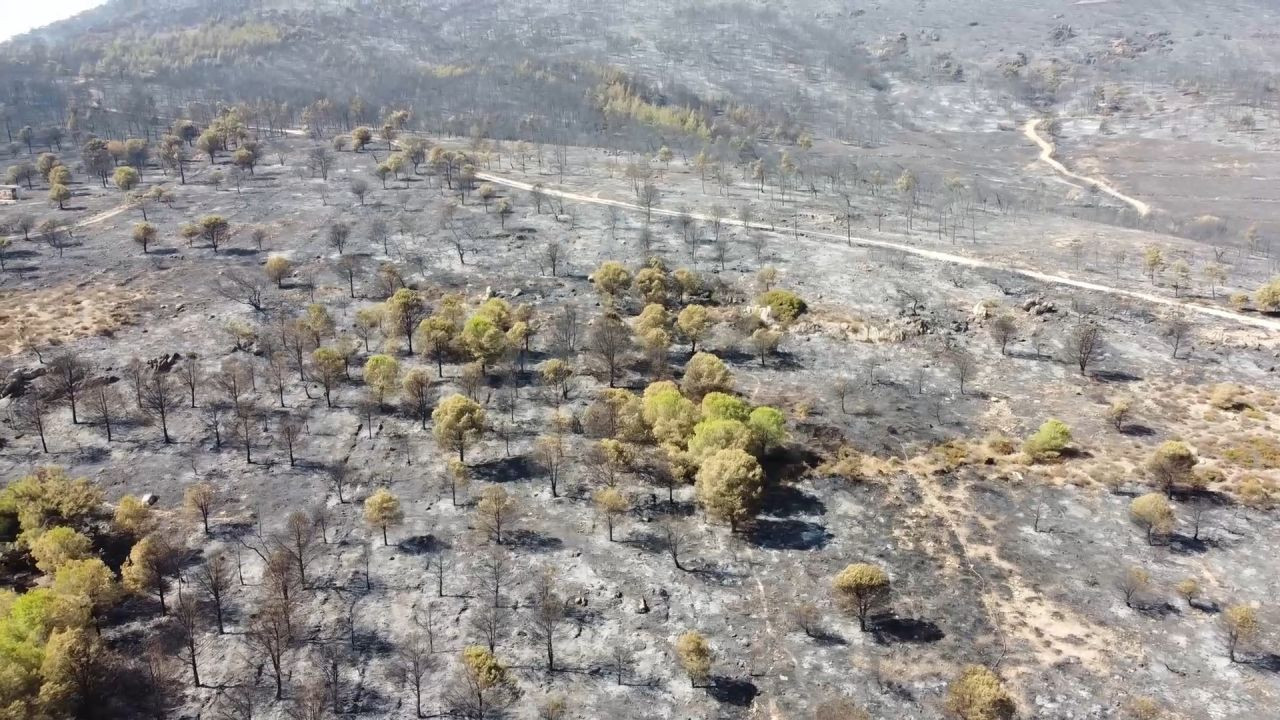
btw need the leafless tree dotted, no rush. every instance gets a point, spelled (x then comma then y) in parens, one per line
(137, 372)
(1084, 344)
(648, 198)
(340, 478)
(338, 234)
(721, 247)
(564, 331)
(621, 657)
(413, 661)
(277, 374)
(269, 636)
(359, 188)
(609, 339)
(299, 541)
(244, 289)
(311, 701)
(186, 615)
(67, 375)
(104, 406)
(492, 569)
(644, 239)
(548, 614)
(245, 415)
(213, 577)
(238, 702)
(333, 660)
(214, 418)
(551, 255)
(347, 266)
(674, 537)
(191, 375)
(160, 398)
(321, 517)
(259, 236)
(841, 387)
(461, 238)
(380, 233)
(808, 617)
(489, 621)
(441, 565)
(1003, 328)
(319, 162)
(31, 413)
(962, 364)
(1176, 329)
(289, 430)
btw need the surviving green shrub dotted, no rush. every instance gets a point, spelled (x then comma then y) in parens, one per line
(783, 304)
(1049, 441)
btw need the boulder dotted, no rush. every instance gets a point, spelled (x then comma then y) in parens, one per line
(164, 363)
(19, 380)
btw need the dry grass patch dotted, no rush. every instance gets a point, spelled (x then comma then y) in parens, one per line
(48, 317)
(1254, 452)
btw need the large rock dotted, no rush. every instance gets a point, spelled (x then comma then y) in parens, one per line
(164, 363)
(19, 380)
(1039, 306)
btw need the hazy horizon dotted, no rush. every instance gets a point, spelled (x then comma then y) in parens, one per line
(26, 17)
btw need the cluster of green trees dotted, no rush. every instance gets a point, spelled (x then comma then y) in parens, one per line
(616, 98)
(717, 443)
(703, 434)
(55, 661)
(656, 326)
(139, 53)
(122, 162)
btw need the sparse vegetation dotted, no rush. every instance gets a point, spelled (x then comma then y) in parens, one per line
(471, 358)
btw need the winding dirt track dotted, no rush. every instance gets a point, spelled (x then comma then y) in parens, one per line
(935, 255)
(91, 220)
(1046, 154)
(1031, 130)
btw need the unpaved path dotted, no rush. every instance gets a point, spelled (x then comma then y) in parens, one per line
(109, 212)
(91, 220)
(1048, 631)
(1031, 130)
(935, 255)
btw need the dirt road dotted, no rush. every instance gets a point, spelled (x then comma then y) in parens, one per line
(935, 255)
(91, 220)
(1031, 130)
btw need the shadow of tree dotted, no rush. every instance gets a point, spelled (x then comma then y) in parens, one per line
(531, 540)
(788, 500)
(646, 541)
(1158, 611)
(1205, 606)
(680, 508)
(1270, 662)
(773, 534)
(710, 573)
(1137, 430)
(733, 691)
(505, 470)
(1187, 545)
(422, 545)
(1210, 497)
(889, 628)
(826, 638)
(1115, 376)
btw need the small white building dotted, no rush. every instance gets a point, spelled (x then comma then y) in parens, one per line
(8, 192)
